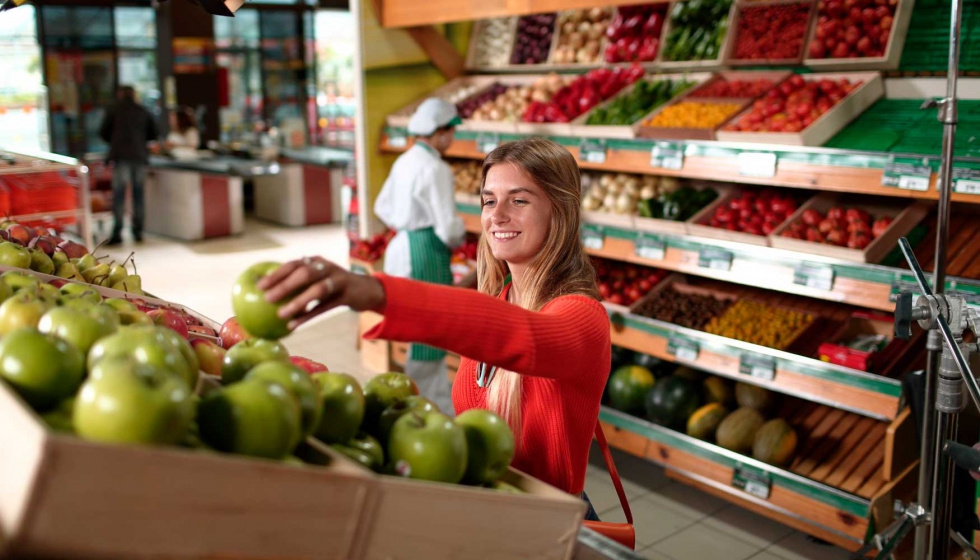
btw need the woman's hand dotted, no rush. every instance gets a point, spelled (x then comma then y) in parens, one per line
(314, 285)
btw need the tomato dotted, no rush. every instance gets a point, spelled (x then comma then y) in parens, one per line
(880, 225)
(811, 217)
(858, 240)
(856, 214)
(644, 285)
(768, 228)
(796, 81)
(604, 290)
(790, 234)
(835, 237)
(813, 234)
(633, 294)
(616, 299)
(826, 225)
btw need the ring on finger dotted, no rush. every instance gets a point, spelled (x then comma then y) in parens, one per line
(319, 266)
(329, 285)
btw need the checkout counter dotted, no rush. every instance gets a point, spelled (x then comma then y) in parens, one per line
(308, 189)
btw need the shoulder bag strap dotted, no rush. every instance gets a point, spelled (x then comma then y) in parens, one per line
(613, 473)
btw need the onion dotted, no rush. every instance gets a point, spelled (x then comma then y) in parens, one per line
(597, 191)
(669, 184)
(609, 202)
(605, 180)
(648, 192)
(625, 204)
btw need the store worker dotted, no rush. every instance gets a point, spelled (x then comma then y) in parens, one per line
(534, 338)
(417, 202)
(184, 134)
(128, 128)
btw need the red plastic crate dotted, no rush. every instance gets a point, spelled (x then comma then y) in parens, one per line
(40, 192)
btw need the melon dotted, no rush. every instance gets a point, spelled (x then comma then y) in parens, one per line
(718, 390)
(689, 373)
(775, 443)
(627, 388)
(752, 396)
(705, 420)
(672, 401)
(649, 362)
(737, 431)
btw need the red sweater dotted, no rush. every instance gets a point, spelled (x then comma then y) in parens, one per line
(562, 352)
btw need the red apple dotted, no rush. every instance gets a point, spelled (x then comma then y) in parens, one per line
(170, 319)
(308, 365)
(232, 333)
(210, 355)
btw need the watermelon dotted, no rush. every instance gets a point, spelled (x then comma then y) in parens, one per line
(755, 397)
(705, 420)
(649, 362)
(627, 388)
(737, 431)
(672, 401)
(775, 443)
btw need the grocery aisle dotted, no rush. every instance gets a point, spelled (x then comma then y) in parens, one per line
(673, 521)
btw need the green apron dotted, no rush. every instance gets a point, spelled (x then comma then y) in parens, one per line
(430, 263)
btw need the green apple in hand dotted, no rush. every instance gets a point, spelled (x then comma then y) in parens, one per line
(150, 345)
(41, 368)
(299, 384)
(249, 353)
(428, 446)
(382, 391)
(256, 315)
(250, 418)
(77, 326)
(489, 445)
(342, 404)
(21, 310)
(411, 403)
(124, 401)
(365, 443)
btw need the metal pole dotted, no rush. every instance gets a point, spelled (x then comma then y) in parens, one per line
(927, 445)
(942, 488)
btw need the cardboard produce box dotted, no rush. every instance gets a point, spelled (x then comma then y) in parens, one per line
(65, 497)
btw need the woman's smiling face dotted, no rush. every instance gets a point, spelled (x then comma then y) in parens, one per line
(516, 214)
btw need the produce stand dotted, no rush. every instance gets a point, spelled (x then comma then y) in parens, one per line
(307, 189)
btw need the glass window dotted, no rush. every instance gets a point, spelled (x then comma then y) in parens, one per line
(23, 107)
(136, 28)
(136, 39)
(77, 27)
(241, 31)
(335, 77)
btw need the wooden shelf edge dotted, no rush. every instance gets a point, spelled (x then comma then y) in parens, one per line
(406, 13)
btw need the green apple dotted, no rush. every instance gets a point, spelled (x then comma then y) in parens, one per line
(59, 418)
(382, 391)
(343, 407)
(428, 446)
(129, 314)
(501, 486)
(124, 401)
(42, 368)
(367, 444)
(186, 350)
(305, 390)
(21, 281)
(77, 326)
(40, 262)
(489, 445)
(209, 355)
(250, 418)
(356, 455)
(59, 258)
(257, 316)
(412, 403)
(83, 291)
(148, 345)
(21, 310)
(12, 254)
(49, 293)
(5, 290)
(247, 354)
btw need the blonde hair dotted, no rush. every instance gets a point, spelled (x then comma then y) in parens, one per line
(560, 268)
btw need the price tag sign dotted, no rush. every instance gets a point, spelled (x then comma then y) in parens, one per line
(683, 349)
(592, 151)
(756, 164)
(752, 481)
(912, 175)
(715, 259)
(966, 181)
(397, 140)
(593, 237)
(756, 365)
(487, 142)
(667, 155)
(649, 247)
(819, 277)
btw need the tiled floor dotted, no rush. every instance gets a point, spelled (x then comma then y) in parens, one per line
(673, 521)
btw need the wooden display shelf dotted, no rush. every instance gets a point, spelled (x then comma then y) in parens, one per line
(814, 380)
(840, 487)
(803, 168)
(406, 13)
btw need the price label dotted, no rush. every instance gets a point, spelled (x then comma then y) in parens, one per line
(756, 164)
(752, 481)
(593, 237)
(819, 277)
(910, 175)
(667, 155)
(683, 349)
(592, 151)
(715, 259)
(755, 365)
(650, 247)
(487, 142)
(397, 140)
(966, 181)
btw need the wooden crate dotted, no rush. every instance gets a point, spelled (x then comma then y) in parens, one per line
(698, 225)
(376, 355)
(479, 29)
(904, 219)
(559, 32)
(655, 225)
(741, 5)
(400, 118)
(434, 521)
(893, 52)
(775, 76)
(829, 124)
(701, 65)
(681, 133)
(65, 497)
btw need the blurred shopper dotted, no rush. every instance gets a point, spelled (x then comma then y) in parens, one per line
(183, 130)
(417, 201)
(128, 128)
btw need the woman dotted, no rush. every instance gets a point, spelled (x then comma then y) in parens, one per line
(417, 202)
(183, 130)
(535, 341)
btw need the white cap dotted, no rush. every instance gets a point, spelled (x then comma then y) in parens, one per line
(432, 114)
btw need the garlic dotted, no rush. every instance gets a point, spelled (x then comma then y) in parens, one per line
(609, 203)
(648, 192)
(625, 204)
